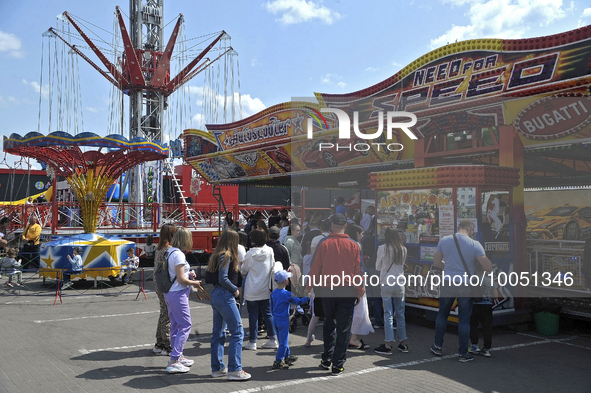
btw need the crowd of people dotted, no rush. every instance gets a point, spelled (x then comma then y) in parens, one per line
(256, 268)
(276, 269)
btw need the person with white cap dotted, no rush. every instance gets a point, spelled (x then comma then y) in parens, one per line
(280, 302)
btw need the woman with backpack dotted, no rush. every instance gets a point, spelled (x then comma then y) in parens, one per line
(222, 272)
(162, 346)
(177, 299)
(390, 262)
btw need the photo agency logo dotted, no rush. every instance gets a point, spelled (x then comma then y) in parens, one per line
(393, 121)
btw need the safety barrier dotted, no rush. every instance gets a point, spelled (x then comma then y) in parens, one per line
(49, 282)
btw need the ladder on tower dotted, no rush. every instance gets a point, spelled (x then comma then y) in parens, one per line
(191, 213)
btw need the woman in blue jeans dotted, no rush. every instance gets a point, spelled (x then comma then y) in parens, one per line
(390, 262)
(257, 267)
(222, 271)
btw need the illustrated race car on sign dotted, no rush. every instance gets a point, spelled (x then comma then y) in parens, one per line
(560, 223)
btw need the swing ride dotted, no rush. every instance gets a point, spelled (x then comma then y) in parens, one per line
(139, 64)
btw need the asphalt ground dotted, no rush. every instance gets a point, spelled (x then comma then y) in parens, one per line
(101, 339)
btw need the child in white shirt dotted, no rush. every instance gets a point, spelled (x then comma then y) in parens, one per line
(129, 265)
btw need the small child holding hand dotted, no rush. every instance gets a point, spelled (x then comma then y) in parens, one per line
(280, 302)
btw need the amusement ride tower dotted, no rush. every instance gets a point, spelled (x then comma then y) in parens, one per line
(143, 71)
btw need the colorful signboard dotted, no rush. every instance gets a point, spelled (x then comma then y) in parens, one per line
(414, 213)
(554, 116)
(536, 84)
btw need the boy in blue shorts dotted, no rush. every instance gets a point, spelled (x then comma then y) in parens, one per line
(280, 301)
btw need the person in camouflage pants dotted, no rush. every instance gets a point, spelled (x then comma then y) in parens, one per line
(162, 346)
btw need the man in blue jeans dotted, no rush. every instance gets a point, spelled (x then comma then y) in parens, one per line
(335, 275)
(455, 284)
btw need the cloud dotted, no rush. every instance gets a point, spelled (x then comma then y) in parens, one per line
(395, 64)
(502, 19)
(585, 18)
(333, 79)
(11, 44)
(328, 79)
(371, 69)
(37, 88)
(255, 62)
(250, 105)
(206, 98)
(298, 11)
(93, 110)
(198, 119)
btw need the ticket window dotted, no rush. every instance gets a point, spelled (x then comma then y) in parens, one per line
(416, 214)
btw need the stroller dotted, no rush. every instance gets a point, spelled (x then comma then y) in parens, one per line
(297, 289)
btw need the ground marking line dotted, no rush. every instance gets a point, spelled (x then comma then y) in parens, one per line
(71, 297)
(577, 346)
(85, 351)
(106, 316)
(392, 366)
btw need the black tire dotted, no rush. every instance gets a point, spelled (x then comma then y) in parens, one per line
(571, 231)
(330, 159)
(364, 153)
(293, 324)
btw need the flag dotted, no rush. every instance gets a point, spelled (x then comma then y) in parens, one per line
(354, 202)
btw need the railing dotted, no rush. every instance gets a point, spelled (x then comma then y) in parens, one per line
(557, 257)
(64, 216)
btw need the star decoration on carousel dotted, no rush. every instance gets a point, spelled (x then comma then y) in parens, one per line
(297, 123)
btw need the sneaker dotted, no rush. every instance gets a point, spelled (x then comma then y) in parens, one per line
(280, 365)
(186, 362)
(337, 371)
(271, 344)
(67, 285)
(485, 352)
(377, 326)
(251, 346)
(473, 348)
(290, 360)
(19, 284)
(436, 350)
(403, 348)
(11, 285)
(166, 351)
(383, 350)
(309, 343)
(325, 364)
(177, 367)
(466, 358)
(220, 373)
(157, 350)
(239, 375)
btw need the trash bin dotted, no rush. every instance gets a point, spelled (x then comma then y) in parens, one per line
(546, 323)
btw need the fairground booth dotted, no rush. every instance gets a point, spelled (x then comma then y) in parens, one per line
(492, 130)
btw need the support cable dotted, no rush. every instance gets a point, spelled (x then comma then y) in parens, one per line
(40, 86)
(239, 93)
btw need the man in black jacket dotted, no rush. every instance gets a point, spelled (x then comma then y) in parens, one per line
(281, 254)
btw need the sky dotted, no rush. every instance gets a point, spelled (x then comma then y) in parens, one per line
(287, 48)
